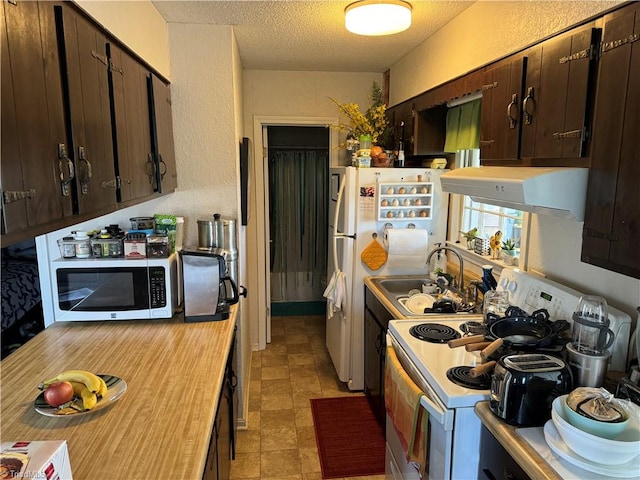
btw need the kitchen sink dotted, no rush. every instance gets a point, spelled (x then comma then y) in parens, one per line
(397, 291)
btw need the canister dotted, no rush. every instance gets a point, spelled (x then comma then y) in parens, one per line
(142, 223)
(67, 247)
(225, 236)
(206, 233)
(82, 243)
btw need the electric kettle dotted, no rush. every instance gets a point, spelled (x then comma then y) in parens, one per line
(208, 292)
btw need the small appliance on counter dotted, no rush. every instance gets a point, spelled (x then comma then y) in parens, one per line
(524, 386)
(206, 287)
(220, 233)
(591, 337)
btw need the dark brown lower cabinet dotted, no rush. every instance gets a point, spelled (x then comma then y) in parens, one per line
(612, 217)
(376, 321)
(223, 436)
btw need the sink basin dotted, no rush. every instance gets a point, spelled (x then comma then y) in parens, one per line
(400, 286)
(396, 291)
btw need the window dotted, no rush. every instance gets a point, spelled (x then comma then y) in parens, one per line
(490, 218)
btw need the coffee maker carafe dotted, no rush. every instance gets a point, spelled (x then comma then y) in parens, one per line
(590, 338)
(208, 292)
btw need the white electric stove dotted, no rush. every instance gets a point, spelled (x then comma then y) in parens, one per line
(454, 434)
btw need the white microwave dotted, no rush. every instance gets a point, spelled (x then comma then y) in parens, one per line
(114, 288)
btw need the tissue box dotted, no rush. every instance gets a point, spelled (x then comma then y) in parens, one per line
(48, 460)
(481, 246)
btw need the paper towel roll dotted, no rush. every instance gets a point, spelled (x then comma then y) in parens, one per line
(407, 248)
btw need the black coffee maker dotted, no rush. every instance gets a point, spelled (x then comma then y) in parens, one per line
(208, 292)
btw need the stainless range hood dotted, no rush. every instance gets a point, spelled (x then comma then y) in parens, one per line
(555, 191)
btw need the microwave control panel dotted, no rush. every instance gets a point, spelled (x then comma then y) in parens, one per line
(157, 287)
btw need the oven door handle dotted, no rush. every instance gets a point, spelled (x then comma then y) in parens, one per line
(443, 416)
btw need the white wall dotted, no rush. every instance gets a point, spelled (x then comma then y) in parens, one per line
(138, 24)
(485, 31)
(287, 94)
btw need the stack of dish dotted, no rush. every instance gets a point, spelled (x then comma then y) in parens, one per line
(616, 457)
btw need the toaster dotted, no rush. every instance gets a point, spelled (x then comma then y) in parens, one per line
(523, 387)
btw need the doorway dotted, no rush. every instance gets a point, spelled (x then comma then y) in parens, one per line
(298, 165)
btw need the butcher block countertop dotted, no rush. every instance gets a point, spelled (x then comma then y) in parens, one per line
(159, 428)
(526, 456)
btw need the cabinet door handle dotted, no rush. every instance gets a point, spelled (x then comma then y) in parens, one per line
(487, 143)
(151, 170)
(10, 197)
(62, 159)
(529, 106)
(569, 134)
(161, 163)
(513, 115)
(84, 182)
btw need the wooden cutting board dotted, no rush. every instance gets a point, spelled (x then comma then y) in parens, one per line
(374, 255)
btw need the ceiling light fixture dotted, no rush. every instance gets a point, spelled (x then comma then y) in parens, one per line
(377, 17)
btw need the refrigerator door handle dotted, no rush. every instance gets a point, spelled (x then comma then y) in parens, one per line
(338, 236)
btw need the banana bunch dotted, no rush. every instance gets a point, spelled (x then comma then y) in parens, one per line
(87, 389)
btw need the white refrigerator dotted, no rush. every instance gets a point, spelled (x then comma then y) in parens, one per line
(363, 202)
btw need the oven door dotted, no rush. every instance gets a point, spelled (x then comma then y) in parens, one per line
(441, 421)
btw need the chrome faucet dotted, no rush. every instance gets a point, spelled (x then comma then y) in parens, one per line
(438, 249)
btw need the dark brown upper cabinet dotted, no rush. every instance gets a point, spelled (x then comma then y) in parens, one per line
(501, 113)
(559, 80)
(402, 118)
(162, 135)
(135, 175)
(612, 216)
(82, 131)
(36, 172)
(84, 58)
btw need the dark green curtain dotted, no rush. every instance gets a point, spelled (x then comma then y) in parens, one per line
(463, 127)
(298, 191)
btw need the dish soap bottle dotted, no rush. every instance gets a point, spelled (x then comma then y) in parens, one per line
(488, 280)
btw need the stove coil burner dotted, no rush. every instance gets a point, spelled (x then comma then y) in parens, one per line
(473, 328)
(434, 332)
(462, 376)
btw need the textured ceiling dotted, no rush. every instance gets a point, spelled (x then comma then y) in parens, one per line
(309, 34)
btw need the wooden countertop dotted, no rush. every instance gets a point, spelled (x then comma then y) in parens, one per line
(160, 427)
(527, 457)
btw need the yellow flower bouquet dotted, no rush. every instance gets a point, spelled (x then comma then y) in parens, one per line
(373, 122)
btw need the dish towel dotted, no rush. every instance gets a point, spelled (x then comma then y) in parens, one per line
(402, 402)
(335, 292)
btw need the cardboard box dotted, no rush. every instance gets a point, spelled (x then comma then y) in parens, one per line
(44, 460)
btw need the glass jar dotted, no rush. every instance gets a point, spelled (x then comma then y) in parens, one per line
(82, 244)
(67, 247)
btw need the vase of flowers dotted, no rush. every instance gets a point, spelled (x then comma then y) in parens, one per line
(372, 122)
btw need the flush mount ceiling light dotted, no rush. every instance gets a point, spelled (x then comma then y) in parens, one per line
(377, 17)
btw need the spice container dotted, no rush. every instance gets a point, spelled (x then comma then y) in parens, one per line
(135, 245)
(158, 246)
(142, 223)
(67, 247)
(106, 247)
(82, 244)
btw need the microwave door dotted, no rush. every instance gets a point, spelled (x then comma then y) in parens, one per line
(103, 290)
(111, 290)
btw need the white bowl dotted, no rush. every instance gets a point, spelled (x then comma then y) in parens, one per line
(600, 450)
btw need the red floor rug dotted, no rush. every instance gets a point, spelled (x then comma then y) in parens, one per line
(350, 441)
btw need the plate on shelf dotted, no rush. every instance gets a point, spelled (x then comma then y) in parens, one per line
(558, 445)
(115, 389)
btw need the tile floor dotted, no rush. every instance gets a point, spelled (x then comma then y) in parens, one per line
(279, 442)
